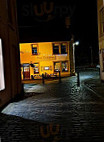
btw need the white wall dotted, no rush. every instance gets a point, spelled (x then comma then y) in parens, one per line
(2, 84)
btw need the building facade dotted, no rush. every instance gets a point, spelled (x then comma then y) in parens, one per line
(46, 58)
(100, 5)
(10, 77)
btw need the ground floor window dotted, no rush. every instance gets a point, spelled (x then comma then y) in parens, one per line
(2, 84)
(64, 66)
(36, 68)
(57, 66)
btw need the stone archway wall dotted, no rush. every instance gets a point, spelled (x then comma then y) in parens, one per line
(10, 44)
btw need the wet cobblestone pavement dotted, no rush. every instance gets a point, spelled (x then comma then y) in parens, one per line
(76, 113)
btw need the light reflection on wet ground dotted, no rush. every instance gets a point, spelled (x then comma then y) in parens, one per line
(78, 111)
(58, 103)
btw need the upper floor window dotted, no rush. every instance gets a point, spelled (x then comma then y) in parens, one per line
(63, 48)
(34, 49)
(60, 48)
(55, 49)
(102, 21)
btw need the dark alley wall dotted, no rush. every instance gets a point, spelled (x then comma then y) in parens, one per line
(9, 36)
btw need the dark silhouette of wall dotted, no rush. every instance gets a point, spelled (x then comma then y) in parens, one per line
(9, 36)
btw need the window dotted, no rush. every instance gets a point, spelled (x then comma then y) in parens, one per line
(102, 21)
(2, 84)
(63, 49)
(34, 49)
(46, 68)
(64, 66)
(57, 67)
(25, 65)
(55, 49)
(36, 68)
(60, 48)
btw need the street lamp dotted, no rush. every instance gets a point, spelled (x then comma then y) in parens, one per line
(74, 44)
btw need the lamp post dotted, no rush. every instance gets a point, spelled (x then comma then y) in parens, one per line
(78, 77)
(74, 44)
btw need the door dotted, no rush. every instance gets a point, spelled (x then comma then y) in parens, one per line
(26, 71)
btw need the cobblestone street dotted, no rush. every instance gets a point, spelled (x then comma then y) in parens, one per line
(64, 112)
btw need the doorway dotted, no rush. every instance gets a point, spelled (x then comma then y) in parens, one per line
(26, 71)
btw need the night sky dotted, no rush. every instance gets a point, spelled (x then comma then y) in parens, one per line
(51, 27)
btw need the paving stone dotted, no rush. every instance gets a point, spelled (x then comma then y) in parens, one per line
(77, 113)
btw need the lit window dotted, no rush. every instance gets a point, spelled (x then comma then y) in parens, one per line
(55, 49)
(64, 66)
(36, 68)
(2, 84)
(46, 68)
(63, 49)
(34, 49)
(57, 67)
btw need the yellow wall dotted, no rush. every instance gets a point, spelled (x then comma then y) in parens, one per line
(100, 5)
(45, 57)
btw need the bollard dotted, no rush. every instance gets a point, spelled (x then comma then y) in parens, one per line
(43, 78)
(59, 77)
(45, 75)
(99, 71)
(78, 79)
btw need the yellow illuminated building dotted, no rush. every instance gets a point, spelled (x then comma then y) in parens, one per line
(100, 6)
(46, 58)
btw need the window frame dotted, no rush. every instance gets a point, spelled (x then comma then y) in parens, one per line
(64, 43)
(38, 67)
(58, 44)
(67, 64)
(60, 51)
(54, 66)
(34, 47)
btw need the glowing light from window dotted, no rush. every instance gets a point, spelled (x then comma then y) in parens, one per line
(46, 68)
